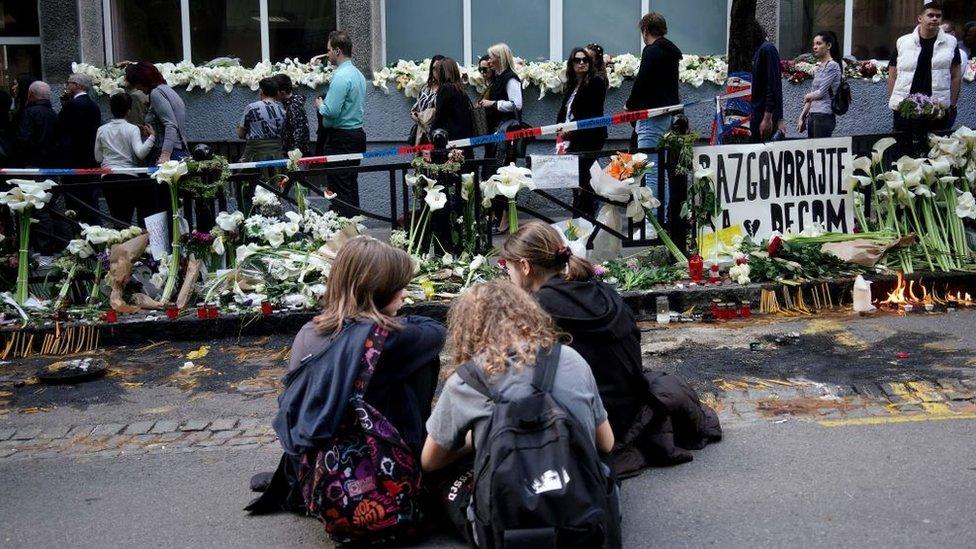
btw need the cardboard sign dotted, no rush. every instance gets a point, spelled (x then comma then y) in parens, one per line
(555, 171)
(783, 186)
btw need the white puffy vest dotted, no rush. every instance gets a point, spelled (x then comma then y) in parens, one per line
(909, 49)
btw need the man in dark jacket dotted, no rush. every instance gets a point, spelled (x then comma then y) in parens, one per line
(36, 146)
(80, 118)
(767, 94)
(656, 85)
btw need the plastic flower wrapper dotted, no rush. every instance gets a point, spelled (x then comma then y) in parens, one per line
(294, 156)
(575, 234)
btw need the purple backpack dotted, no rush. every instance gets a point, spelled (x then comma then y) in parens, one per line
(365, 482)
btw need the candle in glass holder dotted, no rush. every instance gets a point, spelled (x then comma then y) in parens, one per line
(266, 309)
(696, 268)
(111, 316)
(202, 311)
(173, 312)
(212, 311)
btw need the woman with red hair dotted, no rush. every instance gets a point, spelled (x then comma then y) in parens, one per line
(166, 114)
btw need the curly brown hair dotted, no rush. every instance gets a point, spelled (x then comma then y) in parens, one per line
(499, 324)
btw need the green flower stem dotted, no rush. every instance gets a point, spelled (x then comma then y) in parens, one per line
(666, 239)
(300, 198)
(174, 262)
(922, 236)
(22, 257)
(512, 216)
(96, 287)
(63, 293)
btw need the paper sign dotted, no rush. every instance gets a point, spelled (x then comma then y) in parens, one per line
(784, 186)
(708, 246)
(555, 171)
(158, 228)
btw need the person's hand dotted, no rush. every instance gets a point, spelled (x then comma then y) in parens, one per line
(486, 103)
(318, 102)
(782, 126)
(148, 131)
(414, 116)
(801, 123)
(163, 158)
(766, 126)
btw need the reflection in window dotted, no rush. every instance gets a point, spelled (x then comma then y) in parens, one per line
(18, 60)
(697, 27)
(585, 22)
(146, 30)
(522, 24)
(299, 28)
(420, 29)
(225, 28)
(18, 18)
(879, 23)
(800, 20)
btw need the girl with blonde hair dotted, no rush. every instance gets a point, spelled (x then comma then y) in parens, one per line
(604, 332)
(359, 319)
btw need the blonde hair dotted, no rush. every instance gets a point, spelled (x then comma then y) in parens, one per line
(498, 323)
(540, 244)
(365, 277)
(504, 54)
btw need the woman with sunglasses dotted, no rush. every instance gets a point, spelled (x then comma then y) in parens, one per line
(585, 95)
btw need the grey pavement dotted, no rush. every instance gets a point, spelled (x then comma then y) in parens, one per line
(766, 485)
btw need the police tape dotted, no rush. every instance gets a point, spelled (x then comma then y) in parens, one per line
(625, 117)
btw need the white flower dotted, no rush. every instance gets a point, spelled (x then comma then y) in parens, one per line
(81, 248)
(740, 273)
(294, 156)
(857, 181)
(509, 180)
(467, 185)
(862, 163)
(703, 173)
(318, 290)
(435, 198)
(97, 235)
(966, 206)
(243, 252)
(447, 260)
(264, 197)
(421, 179)
(642, 199)
(230, 222)
(170, 171)
(295, 301)
(218, 246)
(489, 190)
(882, 145)
(26, 194)
(477, 262)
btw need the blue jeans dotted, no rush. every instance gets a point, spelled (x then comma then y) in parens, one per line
(649, 132)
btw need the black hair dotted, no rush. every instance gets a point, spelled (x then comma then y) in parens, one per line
(284, 83)
(340, 40)
(933, 5)
(571, 71)
(119, 104)
(831, 39)
(430, 71)
(484, 57)
(269, 87)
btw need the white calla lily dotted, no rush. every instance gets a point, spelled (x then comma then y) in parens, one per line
(966, 206)
(170, 171)
(230, 222)
(435, 198)
(882, 145)
(862, 163)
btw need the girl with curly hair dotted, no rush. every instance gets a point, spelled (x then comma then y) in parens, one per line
(604, 332)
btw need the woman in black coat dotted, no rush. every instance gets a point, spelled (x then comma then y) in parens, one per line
(586, 92)
(453, 108)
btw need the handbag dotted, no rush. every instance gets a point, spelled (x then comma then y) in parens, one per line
(516, 148)
(479, 120)
(424, 119)
(840, 102)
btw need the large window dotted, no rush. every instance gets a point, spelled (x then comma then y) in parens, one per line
(418, 29)
(698, 27)
(585, 22)
(201, 30)
(522, 24)
(869, 33)
(20, 40)
(800, 20)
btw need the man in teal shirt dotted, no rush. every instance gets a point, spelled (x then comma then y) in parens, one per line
(341, 130)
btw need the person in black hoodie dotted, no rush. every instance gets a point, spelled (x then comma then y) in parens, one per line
(655, 417)
(585, 94)
(365, 290)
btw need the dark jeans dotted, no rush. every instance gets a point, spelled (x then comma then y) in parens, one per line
(140, 198)
(583, 198)
(820, 125)
(345, 185)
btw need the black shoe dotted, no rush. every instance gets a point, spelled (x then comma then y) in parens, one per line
(260, 481)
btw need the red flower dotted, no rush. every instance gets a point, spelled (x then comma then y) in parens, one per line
(775, 245)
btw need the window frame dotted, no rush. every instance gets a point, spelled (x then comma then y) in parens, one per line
(264, 26)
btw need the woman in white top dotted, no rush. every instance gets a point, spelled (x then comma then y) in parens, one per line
(119, 146)
(503, 105)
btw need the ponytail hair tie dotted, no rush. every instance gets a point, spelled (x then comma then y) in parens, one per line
(564, 253)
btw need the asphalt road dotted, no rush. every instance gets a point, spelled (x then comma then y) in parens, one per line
(794, 484)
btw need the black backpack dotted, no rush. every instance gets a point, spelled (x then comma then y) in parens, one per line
(840, 102)
(538, 478)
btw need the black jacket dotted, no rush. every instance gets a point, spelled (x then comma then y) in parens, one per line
(80, 118)
(498, 92)
(37, 138)
(453, 113)
(656, 83)
(604, 333)
(588, 103)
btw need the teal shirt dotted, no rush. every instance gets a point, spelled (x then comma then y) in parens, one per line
(343, 107)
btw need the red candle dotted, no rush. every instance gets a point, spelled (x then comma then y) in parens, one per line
(266, 309)
(746, 309)
(202, 313)
(212, 312)
(173, 312)
(713, 275)
(696, 267)
(111, 316)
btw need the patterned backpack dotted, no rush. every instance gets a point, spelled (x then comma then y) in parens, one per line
(364, 483)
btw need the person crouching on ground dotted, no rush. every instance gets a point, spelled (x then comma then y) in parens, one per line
(364, 290)
(643, 409)
(506, 335)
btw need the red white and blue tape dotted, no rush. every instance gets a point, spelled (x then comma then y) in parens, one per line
(625, 117)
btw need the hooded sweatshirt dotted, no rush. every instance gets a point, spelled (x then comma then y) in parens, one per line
(604, 333)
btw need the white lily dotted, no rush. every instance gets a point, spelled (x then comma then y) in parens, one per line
(218, 246)
(923, 190)
(247, 250)
(27, 193)
(170, 171)
(230, 222)
(435, 198)
(264, 197)
(419, 179)
(467, 185)
(882, 145)
(862, 163)
(966, 206)
(294, 156)
(489, 190)
(704, 173)
(858, 181)
(81, 248)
